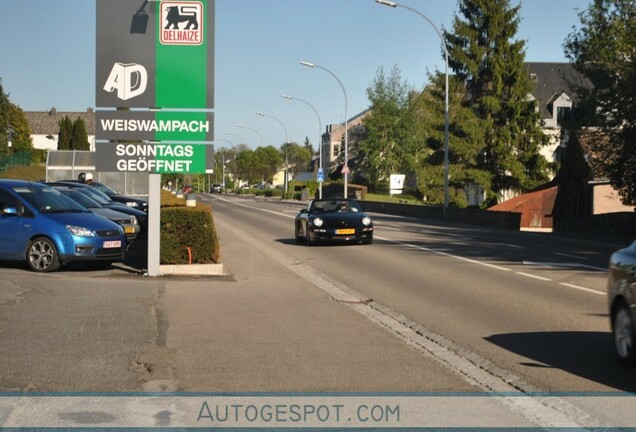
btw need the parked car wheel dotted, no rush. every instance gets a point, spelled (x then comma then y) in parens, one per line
(624, 336)
(42, 255)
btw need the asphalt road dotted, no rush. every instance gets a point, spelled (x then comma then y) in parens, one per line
(532, 305)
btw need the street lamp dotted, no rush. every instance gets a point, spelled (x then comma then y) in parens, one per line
(286, 142)
(223, 161)
(395, 5)
(345, 168)
(240, 137)
(319, 136)
(253, 130)
(10, 133)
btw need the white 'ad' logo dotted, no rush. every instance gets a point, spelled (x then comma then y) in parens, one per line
(129, 79)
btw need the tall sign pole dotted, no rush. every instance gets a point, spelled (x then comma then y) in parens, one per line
(154, 91)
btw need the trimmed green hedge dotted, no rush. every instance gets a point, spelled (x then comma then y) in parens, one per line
(187, 227)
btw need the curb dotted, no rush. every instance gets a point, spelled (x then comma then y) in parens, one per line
(193, 270)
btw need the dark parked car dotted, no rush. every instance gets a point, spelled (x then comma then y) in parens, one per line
(621, 290)
(47, 229)
(216, 188)
(104, 200)
(128, 222)
(136, 203)
(334, 220)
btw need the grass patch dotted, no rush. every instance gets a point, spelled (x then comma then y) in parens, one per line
(33, 173)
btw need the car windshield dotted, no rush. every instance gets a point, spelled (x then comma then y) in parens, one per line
(48, 200)
(81, 198)
(97, 195)
(337, 205)
(105, 189)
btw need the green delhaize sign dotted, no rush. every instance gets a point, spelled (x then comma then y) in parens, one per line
(155, 54)
(160, 55)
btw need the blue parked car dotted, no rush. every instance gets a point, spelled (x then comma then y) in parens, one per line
(47, 229)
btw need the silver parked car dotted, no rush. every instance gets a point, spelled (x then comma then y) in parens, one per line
(621, 289)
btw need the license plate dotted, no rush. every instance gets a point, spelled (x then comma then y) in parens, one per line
(112, 244)
(345, 231)
(129, 230)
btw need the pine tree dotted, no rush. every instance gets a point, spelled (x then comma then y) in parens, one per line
(489, 62)
(79, 136)
(65, 134)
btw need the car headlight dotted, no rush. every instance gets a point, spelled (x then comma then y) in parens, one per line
(366, 221)
(133, 220)
(318, 222)
(80, 231)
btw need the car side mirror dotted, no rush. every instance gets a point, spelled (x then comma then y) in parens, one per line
(304, 211)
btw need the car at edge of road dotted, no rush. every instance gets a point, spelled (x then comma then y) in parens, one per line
(337, 219)
(216, 188)
(47, 229)
(136, 203)
(621, 292)
(129, 223)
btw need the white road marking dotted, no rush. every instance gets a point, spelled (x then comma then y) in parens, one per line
(561, 265)
(580, 288)
(571, 256)
(534, 276)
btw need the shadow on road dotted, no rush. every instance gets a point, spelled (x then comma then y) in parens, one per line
(589, 355)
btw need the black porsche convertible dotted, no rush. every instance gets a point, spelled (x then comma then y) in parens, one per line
(326, 220)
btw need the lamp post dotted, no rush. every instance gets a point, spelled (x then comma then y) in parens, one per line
(253, 130)
(395, 5)
(240, 137)
(10, 133)
(286, 142)
(345, 168)
(319, 136)
(223, 162)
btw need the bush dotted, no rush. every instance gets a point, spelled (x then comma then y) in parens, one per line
(187, 227)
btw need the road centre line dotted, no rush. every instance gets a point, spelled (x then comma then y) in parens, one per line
(561, 265)
(534, 276)
(571, 256)
(472, 261)
(580, 288)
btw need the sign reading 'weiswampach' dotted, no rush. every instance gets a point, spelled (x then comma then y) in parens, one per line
(155, 126)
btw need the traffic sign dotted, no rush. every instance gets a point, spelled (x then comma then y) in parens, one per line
(321, 175)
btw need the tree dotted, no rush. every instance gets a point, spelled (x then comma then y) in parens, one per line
(603, 50)
(389, 143)
(486, 59)
(13, 116)
(65, 134)
(21, 139)
(79, 136)
(465, 143)
(267, 161)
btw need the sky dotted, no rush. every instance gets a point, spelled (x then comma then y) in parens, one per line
(47, 57)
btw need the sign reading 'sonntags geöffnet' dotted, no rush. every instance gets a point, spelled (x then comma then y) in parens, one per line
(152, 157)
(157, 54)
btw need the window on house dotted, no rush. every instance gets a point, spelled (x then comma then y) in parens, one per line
(563, 114)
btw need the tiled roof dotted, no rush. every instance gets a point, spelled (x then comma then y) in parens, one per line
(552, 79)
(47, 122)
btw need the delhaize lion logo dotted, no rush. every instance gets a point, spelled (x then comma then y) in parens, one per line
(182, 23)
